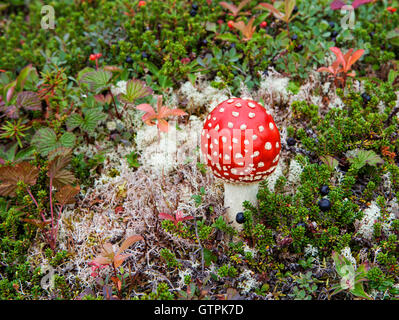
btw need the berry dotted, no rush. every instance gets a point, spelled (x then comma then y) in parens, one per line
(291, 141)
(331, 24)
(230, 24)
(372, 34)
(266, 73)
(324, 204)
(193, 13)
(144, 55)
(263, 24)
(141, 4)
(334, 34)
(295, 10)
(194, 6)
(233, 45)
(204, 42)
(324, 190)
(240, 217)
(366, 97)
(299, 47)
(129, 60)
(294, 37)
(92, 57)
(333, 39)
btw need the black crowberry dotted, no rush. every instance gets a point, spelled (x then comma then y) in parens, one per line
(194, 6)
(331, 24)
(129, 60)
(193, 13)
(240, 217)
(291, 141)
(324, 190)
(324, 204)
(366, 97)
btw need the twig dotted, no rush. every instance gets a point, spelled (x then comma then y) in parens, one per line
(199, 243)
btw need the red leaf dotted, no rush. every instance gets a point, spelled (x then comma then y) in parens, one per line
(337, 4)
(166, 216)
(163, 125)
(358, 3)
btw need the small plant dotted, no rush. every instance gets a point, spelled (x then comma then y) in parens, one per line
(234, 10)
(341, 67)
(135, 89)
(352, 279)
(13, 98)
(24, 175)
(152, 117)
(176, 218)
(247, 30)
(305, 288)
(360, 158)
(227, 271)
(287, 16)
(14, 130)
(45, 140)
(170, 258)
(114, 258)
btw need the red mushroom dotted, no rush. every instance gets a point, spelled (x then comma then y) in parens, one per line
(241, 144)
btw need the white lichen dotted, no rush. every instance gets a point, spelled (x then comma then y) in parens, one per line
(311, 251)
(272, 178)
(247, 281)
(366, 224)
(174, 148)
(119, 88)
(294, 174)
(346, 252)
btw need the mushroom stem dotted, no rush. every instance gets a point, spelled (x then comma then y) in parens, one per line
(234, 196)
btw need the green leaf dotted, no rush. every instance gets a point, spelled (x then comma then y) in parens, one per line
(23, 76)
(135, 89)
(392, 76)
(361, 157)
(132, 160)
(91, 119)
(209, 257)
(25, 154)
(67, 140)
(330, 162)
(45, 140)
(97, 80)
(164, 82)
(74, 121)
(358, 291)
(227, 37)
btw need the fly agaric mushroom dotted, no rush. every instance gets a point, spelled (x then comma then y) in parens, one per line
(241, 144)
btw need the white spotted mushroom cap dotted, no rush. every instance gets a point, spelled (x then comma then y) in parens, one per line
(240, 141)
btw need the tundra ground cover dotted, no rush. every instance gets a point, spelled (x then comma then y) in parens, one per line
(104, 194)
